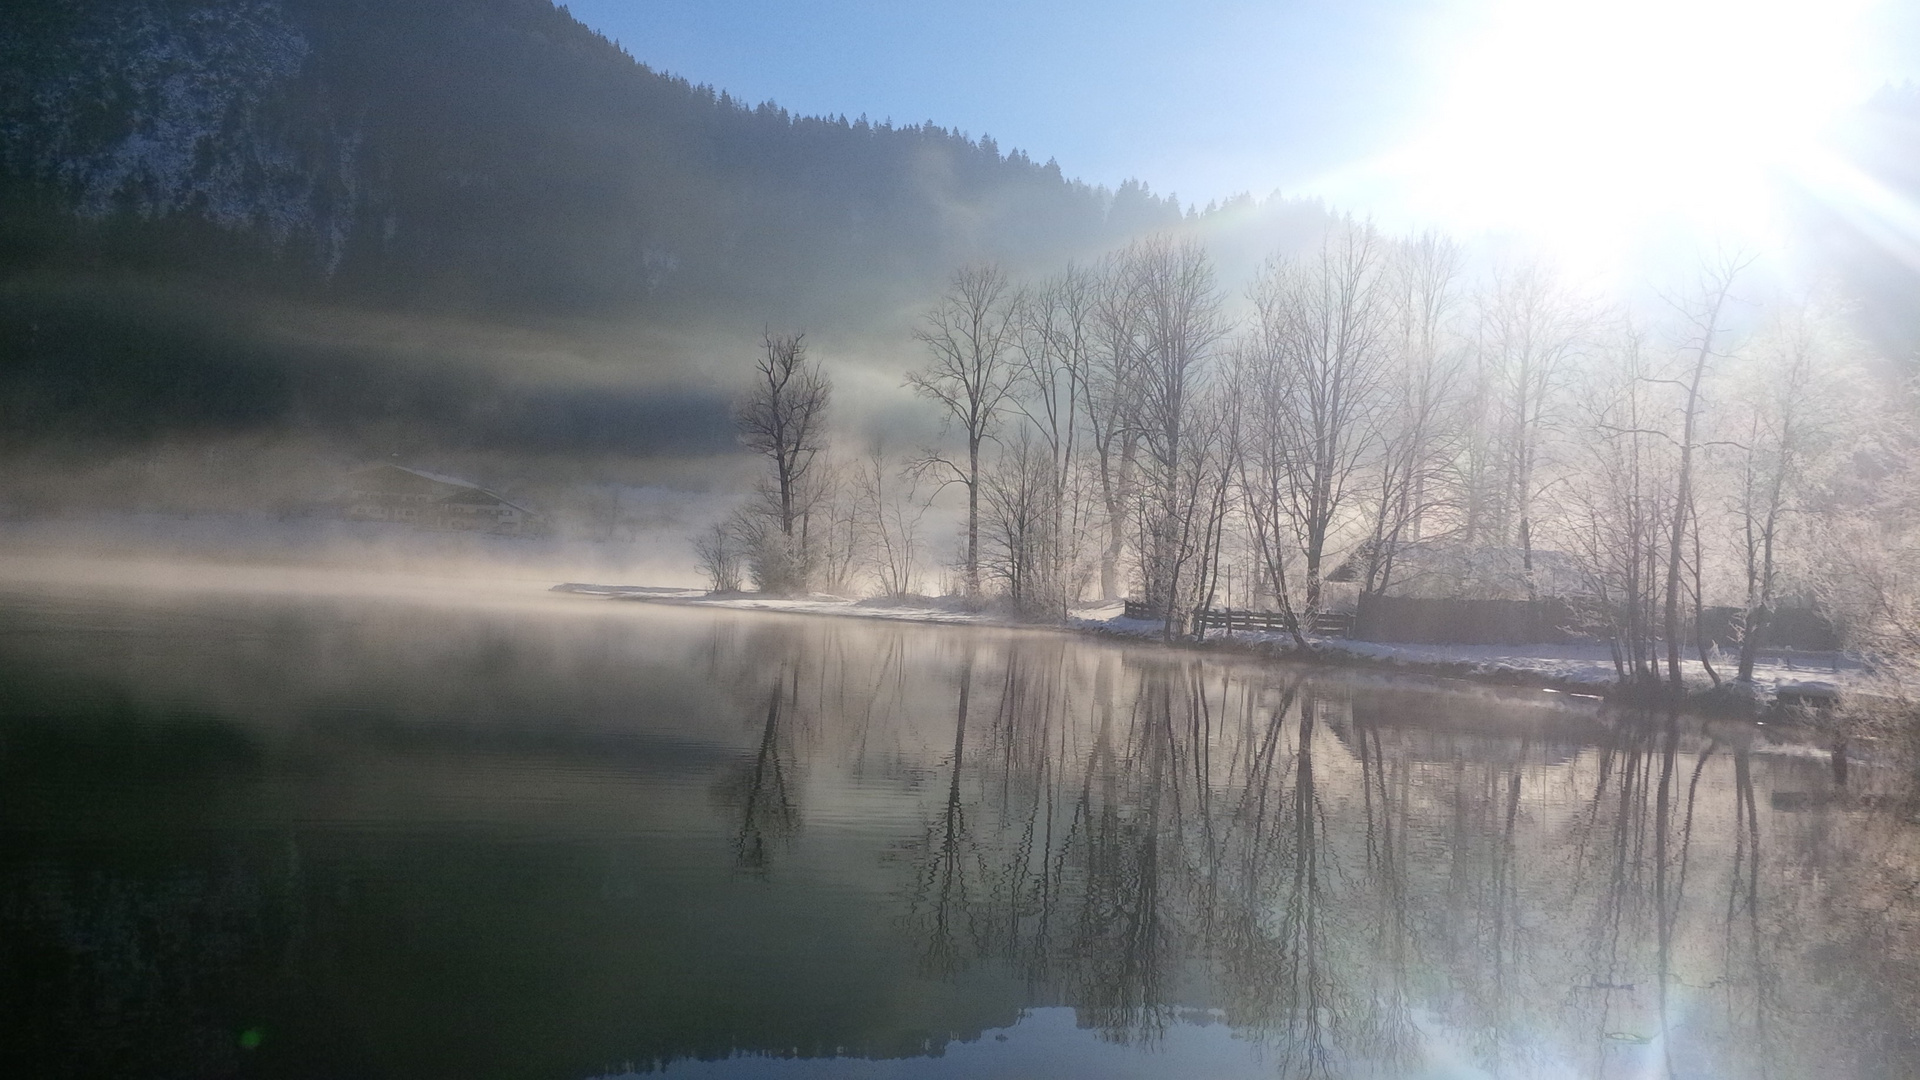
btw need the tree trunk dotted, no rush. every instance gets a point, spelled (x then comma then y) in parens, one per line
(1699, 608)
(973, 516)
(1683, 496)
(1118, 491)
(1760, 613)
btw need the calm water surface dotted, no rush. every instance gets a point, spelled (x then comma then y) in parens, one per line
(353, 836)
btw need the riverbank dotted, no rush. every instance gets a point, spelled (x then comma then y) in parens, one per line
(1782, 679)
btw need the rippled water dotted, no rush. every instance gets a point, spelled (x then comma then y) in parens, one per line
(355, 836)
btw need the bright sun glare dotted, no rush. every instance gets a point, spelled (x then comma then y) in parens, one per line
(1592, 125)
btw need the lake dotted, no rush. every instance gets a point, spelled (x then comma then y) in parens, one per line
(336, 832)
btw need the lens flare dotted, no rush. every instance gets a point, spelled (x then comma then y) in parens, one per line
(1593, 126)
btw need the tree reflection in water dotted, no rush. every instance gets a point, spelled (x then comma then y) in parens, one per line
(634, 840)
(758, 790)
(1359, 888)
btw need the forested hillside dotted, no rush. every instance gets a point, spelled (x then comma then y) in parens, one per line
(484, 152)
(169, 166)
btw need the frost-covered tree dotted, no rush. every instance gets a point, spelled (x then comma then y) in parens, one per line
(782, 417)
(969, 334)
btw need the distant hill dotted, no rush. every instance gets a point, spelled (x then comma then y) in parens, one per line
(246, 215)
(480, 153)
(175, 173)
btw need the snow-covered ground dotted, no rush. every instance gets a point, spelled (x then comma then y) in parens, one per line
(1592, 663)
(1573, 667)
(1586, 664)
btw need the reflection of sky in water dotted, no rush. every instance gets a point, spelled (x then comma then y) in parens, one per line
(550, 835)
(1049, 1042)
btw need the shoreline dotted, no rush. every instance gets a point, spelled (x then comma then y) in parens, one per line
(1583, 672)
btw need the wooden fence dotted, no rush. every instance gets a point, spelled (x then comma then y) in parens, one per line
(1325, 623)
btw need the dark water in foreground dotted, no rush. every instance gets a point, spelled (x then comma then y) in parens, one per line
(344, 837)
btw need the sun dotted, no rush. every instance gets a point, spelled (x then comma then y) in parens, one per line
(1592, 126)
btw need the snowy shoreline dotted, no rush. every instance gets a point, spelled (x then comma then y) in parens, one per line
(1583, 670)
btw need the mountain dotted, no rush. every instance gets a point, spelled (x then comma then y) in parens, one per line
(183, 180)
(479, 153)
(415, 226)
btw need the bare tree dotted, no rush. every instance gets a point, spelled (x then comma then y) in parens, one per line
(1320, 353)
(1873, 546)
(834, 526)
(1181, 321)
(1793, 416)
(1216, 436)
(783, 418)
(1056, 345)
(892, 509)
(1111, 393)
(719, 552)
(1420, 388)
(1020, 517)
(1530, 333)
(1705, 313)
(1264, 465)
(1617, 497)
(969, 333)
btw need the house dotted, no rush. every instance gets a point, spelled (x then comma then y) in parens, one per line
(427, 500)
(1447, 593)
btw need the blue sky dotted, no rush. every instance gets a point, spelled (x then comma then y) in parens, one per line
(1205, 98)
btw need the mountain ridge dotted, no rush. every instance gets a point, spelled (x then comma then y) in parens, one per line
(487, 153)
